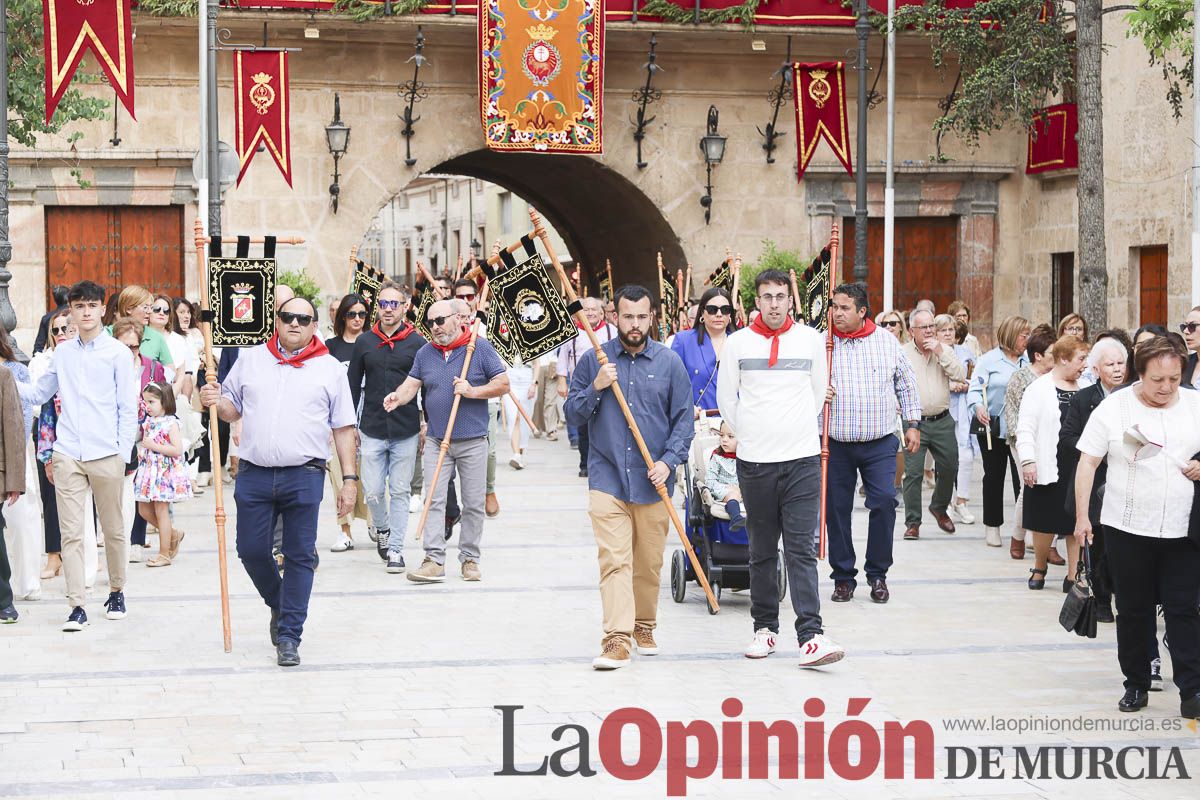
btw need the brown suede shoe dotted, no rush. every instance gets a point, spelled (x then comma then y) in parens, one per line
(643, 639)
(912, 532)
(491, 506)
(1055, 559)
(943, 520)
(1016, 549)
(614, 655)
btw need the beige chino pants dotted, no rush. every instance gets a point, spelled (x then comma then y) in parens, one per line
(106, 477)
(630, 538)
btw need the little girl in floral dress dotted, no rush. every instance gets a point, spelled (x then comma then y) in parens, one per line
(162, 475)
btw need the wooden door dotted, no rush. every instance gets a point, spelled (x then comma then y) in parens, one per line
(1152, 291)
(926, 261)
(116, 246)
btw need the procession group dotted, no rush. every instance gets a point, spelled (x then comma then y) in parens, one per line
(1093, 439)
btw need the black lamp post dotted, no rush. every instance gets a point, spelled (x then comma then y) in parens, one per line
(475, 245)
(712, 145)
(337, 136)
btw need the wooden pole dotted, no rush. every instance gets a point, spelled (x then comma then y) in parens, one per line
(520, 410)
(615, 388)
(353, 266)
(737, 287)
(687, 283)
(833, 261)
(612, 288)
(663, 319)
(798, 310)
(210, 373)
(458, 267)
(681, 302)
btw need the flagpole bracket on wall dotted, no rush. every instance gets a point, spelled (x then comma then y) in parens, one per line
(223, 43)
(413, 91)
(644, 96)
(776, 97)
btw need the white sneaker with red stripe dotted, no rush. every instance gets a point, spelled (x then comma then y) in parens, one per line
(763, 644)
(819, 651)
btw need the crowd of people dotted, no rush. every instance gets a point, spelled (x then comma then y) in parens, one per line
(1092, 439)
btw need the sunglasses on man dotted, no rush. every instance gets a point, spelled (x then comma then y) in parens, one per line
(1188, 327)
(389, 305)
(468, 297)
(439, 321)
(288, 317)
(715, 309)
(355, 315)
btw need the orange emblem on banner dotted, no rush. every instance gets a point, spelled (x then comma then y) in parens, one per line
(260, 84)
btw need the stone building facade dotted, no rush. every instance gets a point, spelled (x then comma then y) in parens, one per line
(974, 227)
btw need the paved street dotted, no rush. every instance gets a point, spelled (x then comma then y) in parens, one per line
(396, 693)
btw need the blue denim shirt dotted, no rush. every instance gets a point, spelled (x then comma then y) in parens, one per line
(659, 394)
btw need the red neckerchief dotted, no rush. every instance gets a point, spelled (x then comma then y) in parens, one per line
(581, 327)
(463, 338)
(399, 336)
(760, 327)
(723, 454)
(314, 348)
(866, 330)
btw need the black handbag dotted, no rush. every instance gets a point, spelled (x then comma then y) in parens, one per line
(976, 428)
(1078, 613)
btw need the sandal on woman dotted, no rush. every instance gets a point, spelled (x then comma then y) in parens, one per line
(158, 560)
(176, 540)
(1036, 582)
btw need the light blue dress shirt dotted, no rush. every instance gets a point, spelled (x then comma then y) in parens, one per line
(99, 390)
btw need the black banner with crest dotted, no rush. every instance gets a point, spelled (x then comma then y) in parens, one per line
(526, 304)
(722, 277)
(422, 299)
(365, 282)
(241, 296)
(816, 292)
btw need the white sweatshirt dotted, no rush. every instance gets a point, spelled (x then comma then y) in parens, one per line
(773, 410)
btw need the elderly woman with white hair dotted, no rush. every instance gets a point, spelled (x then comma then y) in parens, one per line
(1106, 361)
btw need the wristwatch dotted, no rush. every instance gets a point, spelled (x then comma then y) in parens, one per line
(910, 424)
(349, 477)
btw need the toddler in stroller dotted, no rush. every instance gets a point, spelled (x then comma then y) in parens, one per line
(721, 478)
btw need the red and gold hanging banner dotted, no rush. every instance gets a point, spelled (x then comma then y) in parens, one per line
(260, 89)
(820, 95)
(1052, 142)
(70, 28)
(541, 75)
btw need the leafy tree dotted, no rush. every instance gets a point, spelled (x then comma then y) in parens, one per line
(1165, 28)
(27, 81)
(302, 284)
(771, 258)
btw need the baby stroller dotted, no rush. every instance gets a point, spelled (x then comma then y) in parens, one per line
(724, 554)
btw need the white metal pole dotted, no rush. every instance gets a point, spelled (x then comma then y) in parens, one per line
(889, 191)
(202, 96)
(1196, 161)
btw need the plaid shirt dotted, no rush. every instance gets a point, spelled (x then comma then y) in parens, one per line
(873, 380)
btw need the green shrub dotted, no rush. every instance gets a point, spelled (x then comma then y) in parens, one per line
(303, 285)
(770, 258)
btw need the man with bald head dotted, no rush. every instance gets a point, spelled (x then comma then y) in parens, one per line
(435, 373)
(290, 395)
(569, 355)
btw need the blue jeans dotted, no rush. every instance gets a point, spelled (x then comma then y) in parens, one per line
(293, 494)
(876, 460)
(387, 470)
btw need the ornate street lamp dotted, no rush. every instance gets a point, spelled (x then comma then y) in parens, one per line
(712, 145)
(337, 136)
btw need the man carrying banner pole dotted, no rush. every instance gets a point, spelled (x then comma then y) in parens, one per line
(652, 465)
(453, 381)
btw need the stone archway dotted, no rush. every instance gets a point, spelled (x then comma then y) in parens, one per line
(596, 209)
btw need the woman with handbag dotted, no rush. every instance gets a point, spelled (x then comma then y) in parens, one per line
(985, 400)
(1107, 362)
(1038, 424)
(1149, 436)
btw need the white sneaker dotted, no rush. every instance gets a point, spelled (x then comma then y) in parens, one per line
(415, 504)
(993, 536)
(819, 651)
(372, 534)
(516, 462)
(342, 544)
(763, 644)
(136, 553)
(204, 479)
(960, 513)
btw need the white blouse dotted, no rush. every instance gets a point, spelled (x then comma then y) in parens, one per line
(1150, 497)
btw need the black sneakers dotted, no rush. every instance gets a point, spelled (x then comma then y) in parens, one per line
(274, 628)
(1156, 681)
(287, 654)
(1133, 700)
(8, 615)
(77, 621)
(114, 606)
(381, 543)
(395, 563)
